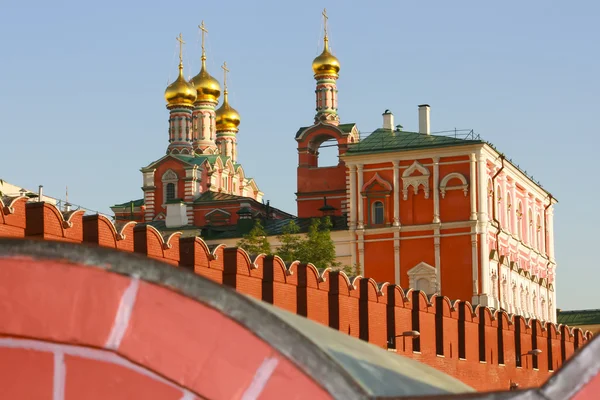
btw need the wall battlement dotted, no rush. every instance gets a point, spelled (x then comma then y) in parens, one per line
(484, 348)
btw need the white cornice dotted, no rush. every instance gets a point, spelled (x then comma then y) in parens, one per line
(377, 158)
(517, 175)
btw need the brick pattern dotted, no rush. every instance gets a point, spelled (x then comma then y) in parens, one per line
(467, 343)
(82, 332)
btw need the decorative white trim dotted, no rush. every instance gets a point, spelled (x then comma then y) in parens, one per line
(423, 271)
(169, 177)
(415, 181)
(376, 179)
(454, 175)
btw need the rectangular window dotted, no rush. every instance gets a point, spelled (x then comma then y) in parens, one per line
(170, 191)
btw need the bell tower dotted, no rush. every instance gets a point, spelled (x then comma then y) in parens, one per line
(322, 190)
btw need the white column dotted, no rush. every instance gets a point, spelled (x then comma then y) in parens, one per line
(396, 193)
(474, 265)
(550, 227)
(483, 225)
(473, 186)
(436, 191)
(437, 259)
(352, 196)
(397, 257)
(361, 251)
(361, 220)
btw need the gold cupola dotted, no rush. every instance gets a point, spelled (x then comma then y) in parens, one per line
(326, 63)
(208, 88)
(227, 118)
(180, 92)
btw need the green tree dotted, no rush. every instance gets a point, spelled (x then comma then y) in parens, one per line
(318, 248)
(290, 241)
(255, 241)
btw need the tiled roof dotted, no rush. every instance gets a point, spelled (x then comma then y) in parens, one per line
(385, 140)
(579, 317)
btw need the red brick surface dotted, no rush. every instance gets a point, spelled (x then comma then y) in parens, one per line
(26, 374)
(53, 301)
(97, 380)
(457, 339)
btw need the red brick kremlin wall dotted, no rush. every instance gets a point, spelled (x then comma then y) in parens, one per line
(479, 346)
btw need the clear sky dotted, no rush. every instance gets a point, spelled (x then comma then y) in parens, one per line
(82, 83)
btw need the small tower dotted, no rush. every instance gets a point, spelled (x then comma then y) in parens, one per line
(208, 90)
(326, 67)
(180, 96)
(228, 121)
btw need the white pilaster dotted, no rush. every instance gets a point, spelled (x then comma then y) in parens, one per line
(397, 257)
(474, 265)
(353, 195)
(361, 251)
(550, 227)
(361, 220)
(473, 186)
(396, 221)
(436, 192)
(437, 259)
(484, 277)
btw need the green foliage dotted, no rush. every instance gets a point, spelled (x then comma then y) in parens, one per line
(316, 248)
(290, 242)
(255, 241)
(353, 270)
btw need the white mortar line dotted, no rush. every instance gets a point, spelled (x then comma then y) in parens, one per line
(106, 356)
(121, 321)
(261, 377)
(58, 388)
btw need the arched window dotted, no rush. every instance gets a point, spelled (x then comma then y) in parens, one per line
(170, 191)
(378, 217)
(490, 193)
(530, 227)
(169, 181)
(539, 233)
(499, 208)
(509, 221)
(520, 230)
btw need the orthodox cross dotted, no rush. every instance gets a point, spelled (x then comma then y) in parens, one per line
(181, 43)
(204, 30)
(325, 17)
(225, 71)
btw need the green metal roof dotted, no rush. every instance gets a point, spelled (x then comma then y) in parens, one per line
(199, 160)
(386, 140)
(579, 317)
(208, 197)
(136, 203)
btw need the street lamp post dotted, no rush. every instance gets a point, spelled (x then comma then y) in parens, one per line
(404, 335)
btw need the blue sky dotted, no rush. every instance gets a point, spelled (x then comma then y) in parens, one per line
(81, 94)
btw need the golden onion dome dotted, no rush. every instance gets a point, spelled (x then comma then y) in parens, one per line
(326, 63)
(227, 118)
(180, 92)
(207, 87)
